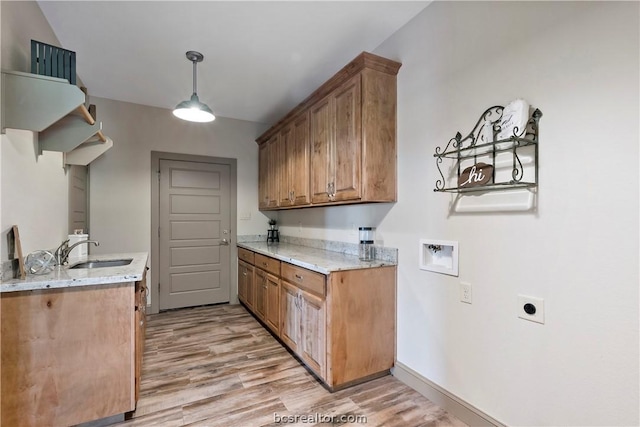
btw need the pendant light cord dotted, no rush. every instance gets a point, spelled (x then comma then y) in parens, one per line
(194, 77)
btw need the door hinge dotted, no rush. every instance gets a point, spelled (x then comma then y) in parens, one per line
(158, 175)
(158, 231)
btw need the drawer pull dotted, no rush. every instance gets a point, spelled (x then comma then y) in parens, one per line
(265, 264)
(299, 277)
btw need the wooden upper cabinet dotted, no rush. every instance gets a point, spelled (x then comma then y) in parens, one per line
(263, 179)
(287, 138)
(294, 163)
(337, 145)
(268, 166)
(345, 146)
(273, 171)
(299, 157)
(320, 154)
(350, 125)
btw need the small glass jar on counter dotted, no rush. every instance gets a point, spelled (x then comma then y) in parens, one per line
(366, 250)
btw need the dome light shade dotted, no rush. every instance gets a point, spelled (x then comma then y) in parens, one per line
(193, 110)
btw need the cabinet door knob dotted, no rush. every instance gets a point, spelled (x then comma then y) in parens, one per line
(299, 277)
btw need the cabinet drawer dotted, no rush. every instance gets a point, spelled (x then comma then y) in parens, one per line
(271, 265)
(304, 279)
(245, 255)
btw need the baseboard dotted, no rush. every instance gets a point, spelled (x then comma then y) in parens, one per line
(457, 407)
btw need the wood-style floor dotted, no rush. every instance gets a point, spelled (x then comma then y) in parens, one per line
(217, 366)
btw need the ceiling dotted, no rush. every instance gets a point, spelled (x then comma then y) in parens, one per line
(260, 58)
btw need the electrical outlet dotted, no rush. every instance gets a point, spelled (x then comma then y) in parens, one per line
(465, 292)
(531, 308)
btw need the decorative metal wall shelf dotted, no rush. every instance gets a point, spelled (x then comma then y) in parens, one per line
(482, 144)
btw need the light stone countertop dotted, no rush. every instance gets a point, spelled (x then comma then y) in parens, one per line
(319, 260)
(65, 277)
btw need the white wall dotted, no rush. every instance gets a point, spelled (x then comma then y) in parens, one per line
(578, 63)
(120, 179)
(34, 193)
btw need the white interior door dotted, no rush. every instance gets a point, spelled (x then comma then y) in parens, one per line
(194, 233)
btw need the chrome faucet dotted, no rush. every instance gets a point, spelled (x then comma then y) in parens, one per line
(63, 251)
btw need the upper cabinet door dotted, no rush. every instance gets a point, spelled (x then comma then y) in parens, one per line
(263, 176)
(321, 140)
(336, 136)
(299, 157)
(347, 141)
(273, 171)
(294, 163)
(285, 160)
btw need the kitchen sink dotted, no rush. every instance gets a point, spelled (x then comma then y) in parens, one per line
(105, 263)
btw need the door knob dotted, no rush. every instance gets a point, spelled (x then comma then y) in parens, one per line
(224, 242)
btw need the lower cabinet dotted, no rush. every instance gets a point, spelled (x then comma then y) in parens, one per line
(313, 348)
(303, 326)
(267, 306)
(272, 309)
(246, 288)
(290, 306)
(341, 325)
(140, 328)
(69, 355)
(260, 307)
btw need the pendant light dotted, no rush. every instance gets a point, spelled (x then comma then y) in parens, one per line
(193, 110)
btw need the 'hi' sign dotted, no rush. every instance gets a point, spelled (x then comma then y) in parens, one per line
(478, 174)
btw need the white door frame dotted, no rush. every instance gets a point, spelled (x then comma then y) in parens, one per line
(154, 282)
